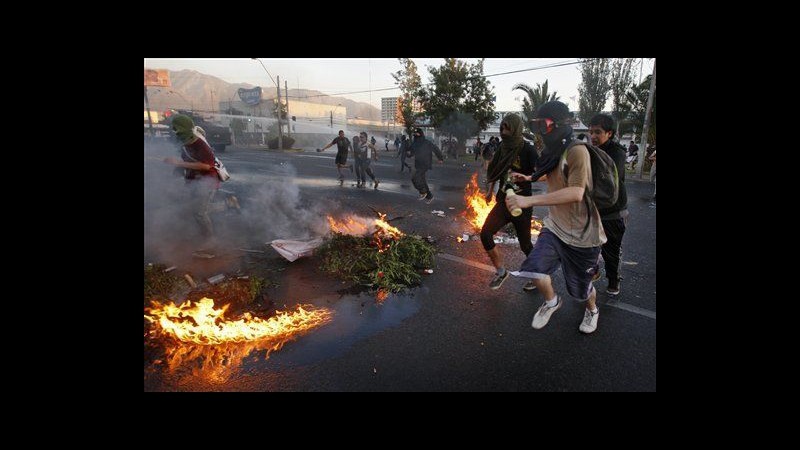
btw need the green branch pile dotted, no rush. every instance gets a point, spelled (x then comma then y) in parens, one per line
(157, 284)
(357, 259)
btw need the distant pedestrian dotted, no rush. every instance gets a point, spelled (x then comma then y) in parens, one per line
(477, 148)
(422, 150)
(343, 144)
(653, 174)
(488, 154)
(633, 153)
(365, 153)
(402, 151)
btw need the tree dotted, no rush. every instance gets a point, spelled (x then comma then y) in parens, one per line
(594, 87)
(621, 80)
(409, 82)
(460, 101)
(637, 98)
(536, 97)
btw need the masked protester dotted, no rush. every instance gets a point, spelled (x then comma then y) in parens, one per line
(197, 162)
(565, 240)
(422, 150)
(510, 168)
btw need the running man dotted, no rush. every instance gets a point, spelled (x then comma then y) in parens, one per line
(343, 145)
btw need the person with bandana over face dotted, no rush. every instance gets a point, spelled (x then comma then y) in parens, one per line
(422, 150)
(511, 163)
(199, 173)
(573, 233)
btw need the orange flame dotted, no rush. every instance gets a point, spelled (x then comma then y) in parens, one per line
(478, 210)
(351, 225)
(212, 345)
(201, 323)
(216, 362)
(384, 233)
(387, 229)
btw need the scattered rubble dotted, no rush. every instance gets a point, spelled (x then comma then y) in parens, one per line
(190, 280)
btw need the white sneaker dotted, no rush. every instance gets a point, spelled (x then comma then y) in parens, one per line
(529, 286)
(422, 196)
(542, 316)
(589, 323)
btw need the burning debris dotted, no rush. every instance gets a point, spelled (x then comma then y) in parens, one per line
(204, 341)
(389, 260)
(477, 208)
(202, 323)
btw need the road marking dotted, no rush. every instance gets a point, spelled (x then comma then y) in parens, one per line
(613, 304)
(315, 156)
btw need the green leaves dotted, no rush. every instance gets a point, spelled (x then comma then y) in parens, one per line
(357, 259)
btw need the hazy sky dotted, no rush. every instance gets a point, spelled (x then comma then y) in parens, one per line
(343, 75)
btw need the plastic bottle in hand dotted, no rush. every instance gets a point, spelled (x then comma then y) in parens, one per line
(516, 211)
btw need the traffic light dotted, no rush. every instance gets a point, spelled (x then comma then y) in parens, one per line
(294, 119)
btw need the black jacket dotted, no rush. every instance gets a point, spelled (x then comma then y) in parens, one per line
(421, 149)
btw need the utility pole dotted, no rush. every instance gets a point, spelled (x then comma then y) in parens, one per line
(331, 119)
(288, 124)
(212, 101)
(147, 105)
(280, 128)
(643, 156)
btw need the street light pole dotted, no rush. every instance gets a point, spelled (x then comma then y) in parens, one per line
(280, 127)
(278, 84)
(147, 105)
(286, 93)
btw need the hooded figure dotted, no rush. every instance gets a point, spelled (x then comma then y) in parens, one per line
(183, 126)
(514, 155)
(422, 150)
(555, 138)
(509, 149)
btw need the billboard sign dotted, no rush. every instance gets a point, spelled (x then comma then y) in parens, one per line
(251, 97)
(156, 77)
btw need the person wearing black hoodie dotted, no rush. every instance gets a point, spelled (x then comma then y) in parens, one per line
(512, 163)
(566, 240)
(421, 149)
(614, 218)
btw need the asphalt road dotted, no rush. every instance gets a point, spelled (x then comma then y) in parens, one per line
(451, 334)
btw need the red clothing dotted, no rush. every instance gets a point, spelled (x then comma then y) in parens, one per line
(199, 151)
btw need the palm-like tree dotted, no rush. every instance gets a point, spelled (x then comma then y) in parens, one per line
(536, 97)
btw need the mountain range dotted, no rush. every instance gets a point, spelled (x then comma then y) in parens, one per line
(198, 91)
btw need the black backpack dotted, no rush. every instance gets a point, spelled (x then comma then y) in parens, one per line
(605, 179)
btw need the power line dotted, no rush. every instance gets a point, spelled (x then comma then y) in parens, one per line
(546, 66)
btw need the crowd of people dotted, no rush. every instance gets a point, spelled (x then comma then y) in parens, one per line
(576, 235)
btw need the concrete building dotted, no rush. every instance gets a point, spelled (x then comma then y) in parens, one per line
(389, 109)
